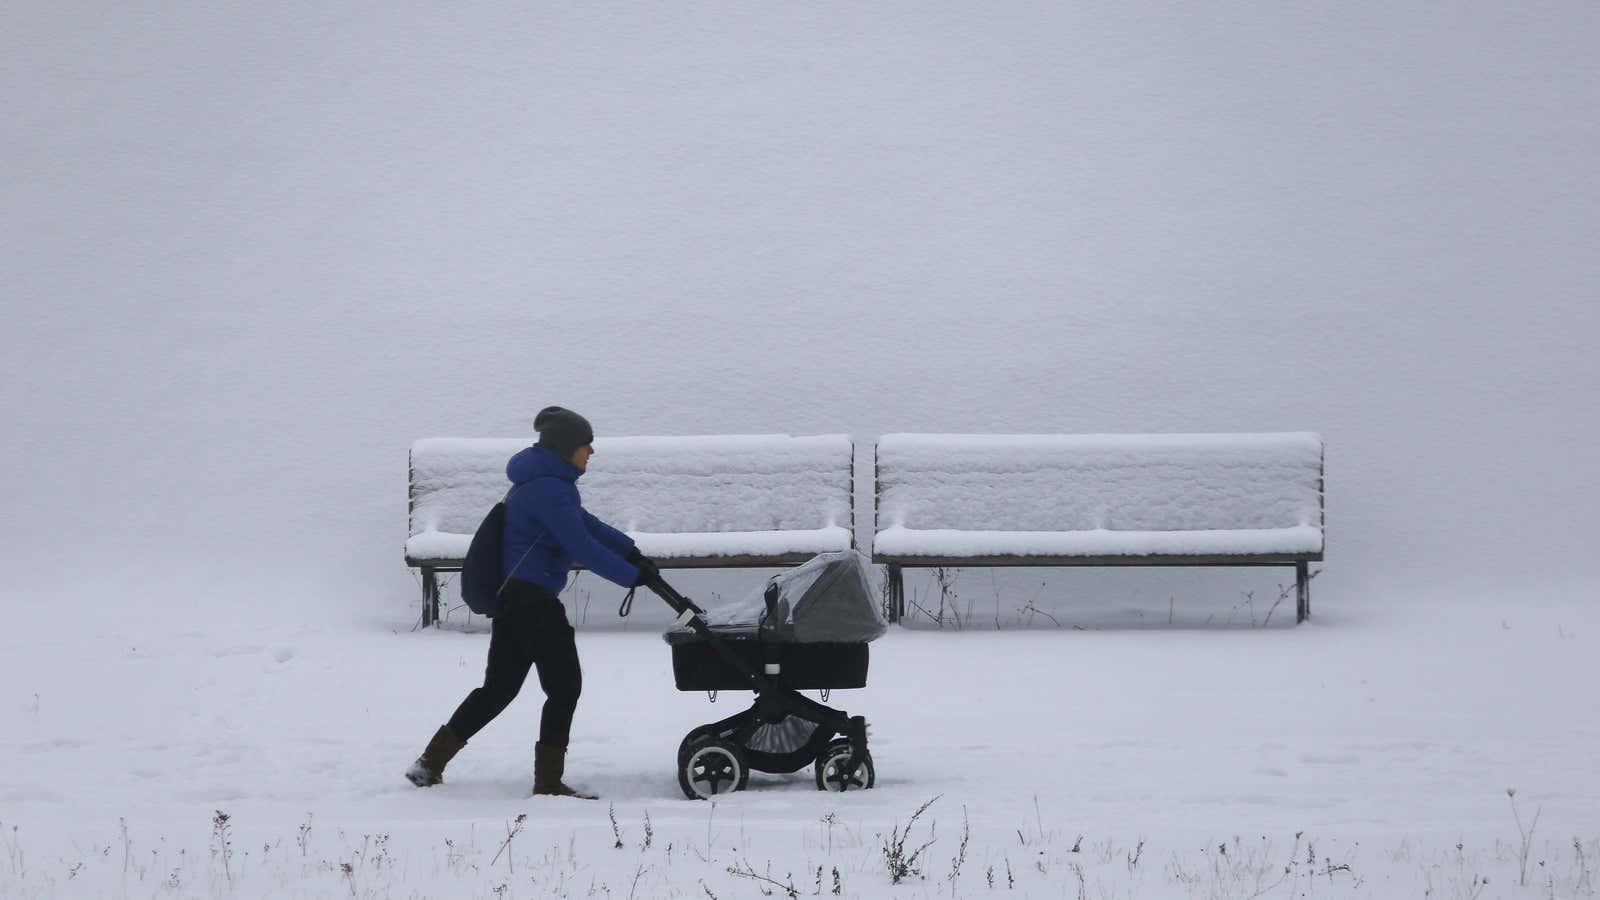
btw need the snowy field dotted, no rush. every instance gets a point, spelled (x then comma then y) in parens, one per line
(250, 254)
(1367, 753)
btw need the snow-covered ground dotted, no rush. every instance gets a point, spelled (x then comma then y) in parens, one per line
(1367, 753)
(250, 253)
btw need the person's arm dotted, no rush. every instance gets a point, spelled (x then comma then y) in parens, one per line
(615, 540)
(560, 512)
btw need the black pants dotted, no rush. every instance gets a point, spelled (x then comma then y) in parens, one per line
(532, 630)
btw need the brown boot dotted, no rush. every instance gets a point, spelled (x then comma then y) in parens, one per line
(549, 764)
(428, 770)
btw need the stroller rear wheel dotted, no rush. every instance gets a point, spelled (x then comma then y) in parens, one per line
(711, 766)
(831, 765)
(687, 745)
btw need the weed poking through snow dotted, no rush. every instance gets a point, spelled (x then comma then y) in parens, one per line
(902, 865)
(1527, 834)
(222, 842)
(513, 828)
(961, 853)
(748, 871)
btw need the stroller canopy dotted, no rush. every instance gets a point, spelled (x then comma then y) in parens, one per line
(828, 599)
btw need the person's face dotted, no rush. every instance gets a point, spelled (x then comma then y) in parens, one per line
(580, 457)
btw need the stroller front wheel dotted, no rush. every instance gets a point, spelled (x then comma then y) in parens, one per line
(710, 766)
(831, 766)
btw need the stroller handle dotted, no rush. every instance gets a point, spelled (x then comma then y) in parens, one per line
(679, 603)
(759, 682)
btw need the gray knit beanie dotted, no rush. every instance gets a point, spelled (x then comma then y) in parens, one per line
(562, 430)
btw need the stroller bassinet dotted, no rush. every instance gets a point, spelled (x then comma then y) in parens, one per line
(808, 629)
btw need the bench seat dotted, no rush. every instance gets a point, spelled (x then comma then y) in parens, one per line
(1098, 500)
(699, 501)
(689, 550)
(1045, 548)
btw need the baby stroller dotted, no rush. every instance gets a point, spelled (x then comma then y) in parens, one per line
(807, 630)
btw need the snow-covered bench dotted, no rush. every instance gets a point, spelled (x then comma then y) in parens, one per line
(1098, 500)
(713, 501)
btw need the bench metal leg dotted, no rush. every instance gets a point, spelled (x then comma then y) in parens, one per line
(897, 594)
(1302, 587)
(430, 597)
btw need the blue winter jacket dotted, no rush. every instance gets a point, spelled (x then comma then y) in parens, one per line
(547, 512)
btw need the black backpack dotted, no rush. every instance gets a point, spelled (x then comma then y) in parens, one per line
(481, 581)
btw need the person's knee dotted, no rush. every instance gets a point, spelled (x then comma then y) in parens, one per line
(565, 694)
(500, 696)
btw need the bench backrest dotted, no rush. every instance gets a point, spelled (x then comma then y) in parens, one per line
(1124, 489)
(657, 485)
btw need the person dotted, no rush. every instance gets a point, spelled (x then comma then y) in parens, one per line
(547, 529)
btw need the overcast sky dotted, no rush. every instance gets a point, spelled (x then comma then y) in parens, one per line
(249, 256)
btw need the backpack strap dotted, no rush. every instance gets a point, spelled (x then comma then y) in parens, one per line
(525, 553)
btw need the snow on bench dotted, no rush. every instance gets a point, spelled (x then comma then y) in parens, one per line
(1099, 500)
(689, 502)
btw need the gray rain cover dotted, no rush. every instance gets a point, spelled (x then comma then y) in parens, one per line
(827, 599)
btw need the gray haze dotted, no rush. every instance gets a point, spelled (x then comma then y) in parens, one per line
(248, 256)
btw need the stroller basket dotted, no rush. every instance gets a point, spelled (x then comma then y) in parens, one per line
(696, 666)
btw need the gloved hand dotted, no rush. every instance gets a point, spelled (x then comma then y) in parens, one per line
(648, 571)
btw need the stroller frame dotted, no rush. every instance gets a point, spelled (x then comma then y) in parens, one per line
(718, 751)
